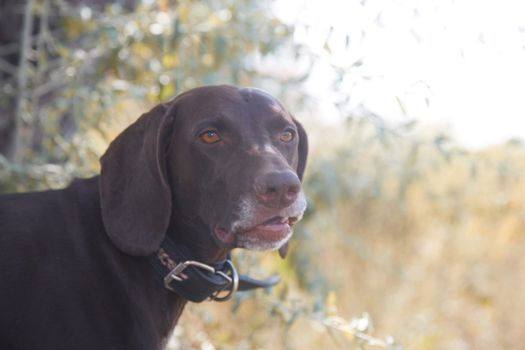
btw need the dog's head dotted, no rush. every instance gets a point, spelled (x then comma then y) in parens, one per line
(224, 161)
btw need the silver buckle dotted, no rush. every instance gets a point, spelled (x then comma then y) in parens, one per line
(233, 280)
(174, 274)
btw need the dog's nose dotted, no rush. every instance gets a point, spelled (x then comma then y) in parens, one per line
(277, 189)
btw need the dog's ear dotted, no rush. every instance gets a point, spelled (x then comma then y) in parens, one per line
(135, 195)
(302, 149)
(301, 165)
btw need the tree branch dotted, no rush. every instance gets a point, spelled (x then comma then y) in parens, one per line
(25, 47)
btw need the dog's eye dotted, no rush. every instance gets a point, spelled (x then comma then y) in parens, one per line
(210, 136)
(286, 136)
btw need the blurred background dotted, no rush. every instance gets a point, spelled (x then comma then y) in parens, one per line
(414, 236)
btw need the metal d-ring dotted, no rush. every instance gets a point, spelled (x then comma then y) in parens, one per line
(234, 282)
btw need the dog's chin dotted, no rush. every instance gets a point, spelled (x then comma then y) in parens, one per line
(265, 237)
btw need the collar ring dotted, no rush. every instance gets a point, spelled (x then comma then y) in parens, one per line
(234, 283)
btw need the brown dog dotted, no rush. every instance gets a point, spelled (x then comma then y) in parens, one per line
(215, 169)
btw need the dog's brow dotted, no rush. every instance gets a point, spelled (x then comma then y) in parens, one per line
(280, 122)
(219, 122)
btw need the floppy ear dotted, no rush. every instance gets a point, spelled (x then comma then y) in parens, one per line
(134, 192)
(301, 165)
(302, 149)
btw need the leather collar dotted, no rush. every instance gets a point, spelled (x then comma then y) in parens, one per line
(196, 281)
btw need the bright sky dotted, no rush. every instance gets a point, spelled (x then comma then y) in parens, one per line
(459, 63)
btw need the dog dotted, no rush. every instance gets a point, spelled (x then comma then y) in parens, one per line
(110, 261)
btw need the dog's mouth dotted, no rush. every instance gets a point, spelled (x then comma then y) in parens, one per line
(267, 235)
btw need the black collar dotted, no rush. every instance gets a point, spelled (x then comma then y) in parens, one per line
(196, 281)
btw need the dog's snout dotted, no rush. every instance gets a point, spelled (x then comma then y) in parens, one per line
(277, 189)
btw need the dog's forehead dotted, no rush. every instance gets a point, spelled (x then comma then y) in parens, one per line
(232, 102)
(267, 103)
